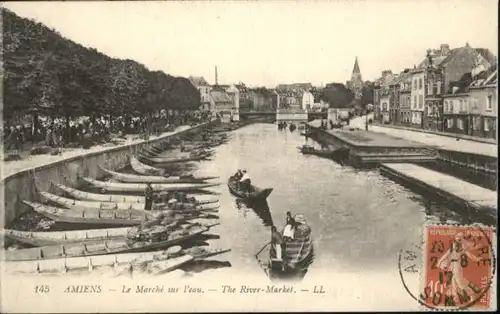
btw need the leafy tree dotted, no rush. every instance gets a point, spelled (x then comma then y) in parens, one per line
(337, 95)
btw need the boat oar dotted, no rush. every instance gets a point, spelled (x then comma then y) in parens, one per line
(257, 254)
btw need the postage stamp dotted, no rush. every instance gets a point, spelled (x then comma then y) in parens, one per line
(459, 266)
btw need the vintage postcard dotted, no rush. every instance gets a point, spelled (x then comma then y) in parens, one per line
(236, 156)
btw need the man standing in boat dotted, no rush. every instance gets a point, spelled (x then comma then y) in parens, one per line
(148, 193)
(245, 182)
(288, 233)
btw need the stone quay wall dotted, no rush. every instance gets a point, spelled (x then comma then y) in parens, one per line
(24, 185)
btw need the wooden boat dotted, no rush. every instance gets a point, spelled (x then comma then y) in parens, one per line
(140, 187)
(75, 204)
(46, 238)
(147, 154)
(256, 193)
(70, 203)
(131, 178)
(113, 198)
(144, 169)
(328, 153)
(94, 216)
(89, 263)
(81, 195)
(164, 160)
(297, 256)
(116, 246)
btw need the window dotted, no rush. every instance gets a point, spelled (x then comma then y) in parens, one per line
(414, 105)
(445, 107)
(449, 123)
(489, 103)
(420, 86)
(461, 102)
(460, 124)
(438, 88)
(466, 105)
(476, 123)
(429, 87)
(420, 101)
(451, 105)
(486, 124)
(415, 84)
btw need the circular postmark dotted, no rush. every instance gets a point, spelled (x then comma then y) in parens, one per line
(454, 267)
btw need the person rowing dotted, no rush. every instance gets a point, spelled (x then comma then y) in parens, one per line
(288, 233)
(238, 175)
(245, 182)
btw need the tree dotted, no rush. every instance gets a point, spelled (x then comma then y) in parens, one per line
(367, 94)
(337, 95)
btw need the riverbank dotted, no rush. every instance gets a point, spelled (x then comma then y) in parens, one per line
(26, 177)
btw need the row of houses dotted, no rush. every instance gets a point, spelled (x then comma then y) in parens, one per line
(238, 96)
(451, 90)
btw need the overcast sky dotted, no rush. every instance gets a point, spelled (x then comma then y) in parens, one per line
(271, 42)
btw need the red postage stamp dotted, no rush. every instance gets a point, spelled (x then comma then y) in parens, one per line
(459, 265)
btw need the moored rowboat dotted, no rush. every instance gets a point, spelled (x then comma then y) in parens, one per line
(89, 263)
(131, 178)
(46, 238)
(144, 169)
(121, 217)
(160, 160)
(116, 246)
(75, 204)
(114, 198)
(140, 187)
(70, 203)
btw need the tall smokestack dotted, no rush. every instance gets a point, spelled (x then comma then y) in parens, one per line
(216, 80)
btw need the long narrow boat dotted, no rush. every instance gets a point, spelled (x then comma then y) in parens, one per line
(131, 178)
(45, 238)
(255, 194)
(327, 153)
(114, 198)
(169, 259)
(140, 187)
(71, 203)
(89, 263)
(75, 204)
(298, 253)
(116, 246)
(160, 160)
(105, 216)
(144, 169)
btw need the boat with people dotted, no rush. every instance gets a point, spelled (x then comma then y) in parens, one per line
(131, 178)
(291, 251)
(140, 187)
(251, 192)
(292, 127)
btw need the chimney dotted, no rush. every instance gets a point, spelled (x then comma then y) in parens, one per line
(216, 81)
(444, 49)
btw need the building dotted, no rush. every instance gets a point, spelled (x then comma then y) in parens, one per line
(356, 82)
(484, 104)
(263, 99)
(405, 98)
(394, 96)
(307, 100)
(456, 112)
(221, 103)
(417, 95)
(204, 89)
(295, 86)
(245, 96)
(381, 92)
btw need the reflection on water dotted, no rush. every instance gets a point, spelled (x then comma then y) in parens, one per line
(259, 207)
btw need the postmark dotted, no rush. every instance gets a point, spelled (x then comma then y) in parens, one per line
(459, 265)
(455, 267)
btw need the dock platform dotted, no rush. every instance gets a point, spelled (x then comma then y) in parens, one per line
(444, 186)
(368, 148)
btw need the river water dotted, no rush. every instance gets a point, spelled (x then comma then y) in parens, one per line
(360, 219)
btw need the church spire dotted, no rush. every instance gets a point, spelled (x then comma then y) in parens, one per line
(356, 67)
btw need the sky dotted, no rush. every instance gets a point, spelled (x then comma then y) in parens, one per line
(265, 43)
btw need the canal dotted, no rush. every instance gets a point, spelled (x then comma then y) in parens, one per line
(360, 219)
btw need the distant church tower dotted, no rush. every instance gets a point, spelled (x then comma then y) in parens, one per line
(356, 82)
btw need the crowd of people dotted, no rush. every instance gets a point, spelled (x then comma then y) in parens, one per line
(85, 132)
